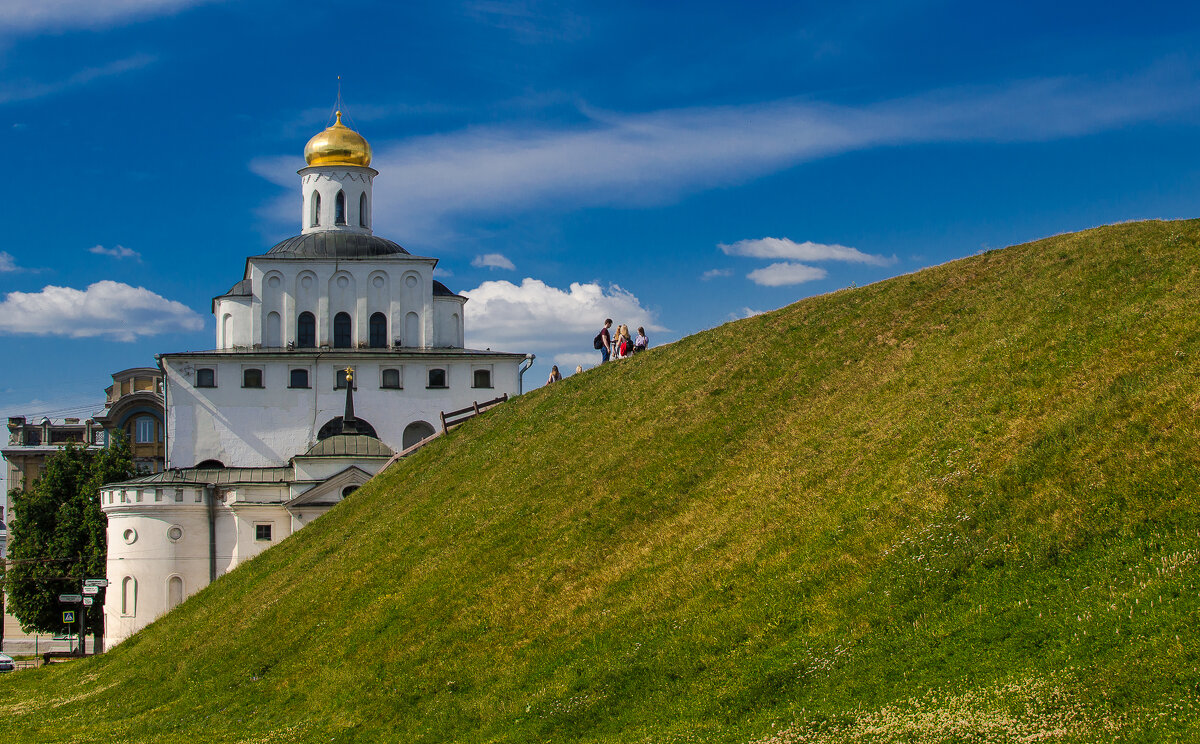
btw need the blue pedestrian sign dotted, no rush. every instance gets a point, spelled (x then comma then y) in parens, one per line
(68, 617)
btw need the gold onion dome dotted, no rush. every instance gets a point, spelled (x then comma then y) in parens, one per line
(338, 145)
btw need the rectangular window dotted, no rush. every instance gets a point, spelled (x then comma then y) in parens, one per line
(298, 378)
(339, 380)
(262, 532)
(158, 494)
(144, 434)
(481, 378)
(178, 495)
(390, 379)
(437, 378)
(252, 378)
(206, 378)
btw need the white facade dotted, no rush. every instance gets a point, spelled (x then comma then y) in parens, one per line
(257, 439)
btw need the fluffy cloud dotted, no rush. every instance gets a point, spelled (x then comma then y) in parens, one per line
(493, 261)
(8, 263)
(782, 274)
(556, 324)
(106, 308)
(806, 251)
(654, 158)
(119, 251)
(714, 273)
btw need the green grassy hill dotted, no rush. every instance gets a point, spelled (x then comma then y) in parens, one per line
(959, 505)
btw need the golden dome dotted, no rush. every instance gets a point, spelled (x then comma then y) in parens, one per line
(338, 145)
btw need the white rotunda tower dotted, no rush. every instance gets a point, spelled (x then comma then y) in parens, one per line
(336, 184)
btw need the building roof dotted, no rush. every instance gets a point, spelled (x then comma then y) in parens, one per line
(216, 476)
(345, 445)
(335, 244)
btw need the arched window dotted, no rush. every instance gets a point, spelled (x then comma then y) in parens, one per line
(306, 331)
(252, 378)
(208, 465)
(129, 596)
(271, 333)
(379, 331)
(206, 378)
(174, 592)
(339, 209)
(362, 209)
(482, 378)
(412, 330)
(348, 490)
(416, 432)
(437, 378)
(391, 379)
(314, 214)
(341, 331)
(298, 378)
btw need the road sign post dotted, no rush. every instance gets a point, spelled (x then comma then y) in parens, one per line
(68, 617)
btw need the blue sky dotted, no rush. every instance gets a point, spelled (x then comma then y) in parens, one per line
(671, 165)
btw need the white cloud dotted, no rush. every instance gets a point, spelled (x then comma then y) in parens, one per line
(782, 274)
(493, 261)
(744, 313)
(106, 308)
(8, 263)
(556, 324)
(654, 158)
(714, 273)
(119, 251)
(23, 16)
(440, 273)
(806, 251)
(26, 90)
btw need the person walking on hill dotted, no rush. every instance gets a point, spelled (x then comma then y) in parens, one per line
(554, 375)
(604, 338)
(641, 342)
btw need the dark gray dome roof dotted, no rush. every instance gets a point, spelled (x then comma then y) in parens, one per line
(335, 244)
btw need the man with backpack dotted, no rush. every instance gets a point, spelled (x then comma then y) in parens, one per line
(603, 341)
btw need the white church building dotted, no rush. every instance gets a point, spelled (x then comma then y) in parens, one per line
(261, 435)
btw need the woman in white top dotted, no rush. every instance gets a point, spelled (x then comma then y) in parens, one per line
(642, 342)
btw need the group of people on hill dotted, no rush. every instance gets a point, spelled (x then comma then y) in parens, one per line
(623, 345)
(620, 347)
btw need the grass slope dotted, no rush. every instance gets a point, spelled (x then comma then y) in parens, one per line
(955, 505)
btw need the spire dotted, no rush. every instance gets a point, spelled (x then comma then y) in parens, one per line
(349, 423)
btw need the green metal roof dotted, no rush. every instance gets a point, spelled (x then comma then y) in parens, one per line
(347, 445)
(215, 476)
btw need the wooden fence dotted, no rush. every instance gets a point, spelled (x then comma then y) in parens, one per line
(450, 419)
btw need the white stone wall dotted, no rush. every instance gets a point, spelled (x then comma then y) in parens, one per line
(398, 287)
(263, 427)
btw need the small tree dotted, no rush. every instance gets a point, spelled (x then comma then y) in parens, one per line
(57, 535)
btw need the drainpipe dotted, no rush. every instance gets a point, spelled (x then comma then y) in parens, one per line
(210, 495)
(524, 368)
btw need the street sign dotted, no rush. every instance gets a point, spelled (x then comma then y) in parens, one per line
(95, 582)
(91, 590)
(87, 601)
(68, 617)
(69, 598)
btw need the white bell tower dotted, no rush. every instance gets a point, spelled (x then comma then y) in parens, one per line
(336, 184)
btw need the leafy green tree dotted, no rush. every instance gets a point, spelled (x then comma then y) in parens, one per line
(57, 533)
